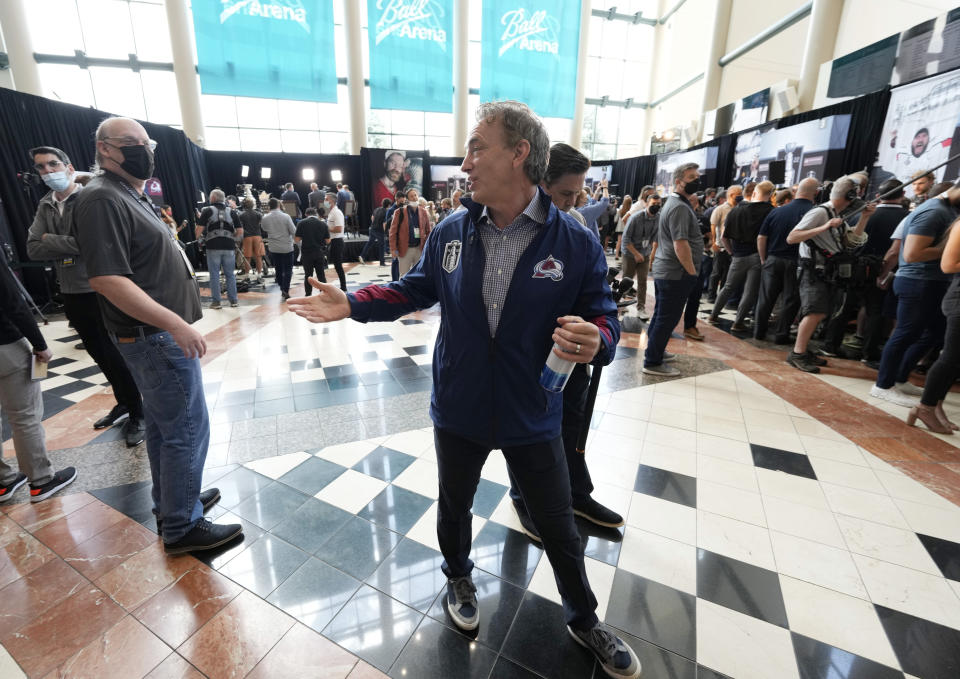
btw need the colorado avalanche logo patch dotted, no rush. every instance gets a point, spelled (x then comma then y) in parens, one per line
(549, 268)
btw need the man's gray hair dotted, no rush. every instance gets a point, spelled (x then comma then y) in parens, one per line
(519, 123)
(842, 187)
(682, 170)
(218, 196)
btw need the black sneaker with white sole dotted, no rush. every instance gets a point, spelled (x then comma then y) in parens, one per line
(208, 498)
(526, 523)
(462, 603)
(204, 535)
(61, 479)
(7, 490)
(616, 658)
(596, 513)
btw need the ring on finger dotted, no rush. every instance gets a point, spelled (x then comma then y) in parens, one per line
(578, 349)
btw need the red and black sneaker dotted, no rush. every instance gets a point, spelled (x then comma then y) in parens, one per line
(61, 479)
(7, 490)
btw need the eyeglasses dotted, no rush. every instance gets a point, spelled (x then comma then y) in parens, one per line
(132, 141)
(52, 165)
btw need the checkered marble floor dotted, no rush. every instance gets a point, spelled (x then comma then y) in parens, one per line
(759, 543)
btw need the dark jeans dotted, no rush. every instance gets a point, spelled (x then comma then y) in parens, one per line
(944, 372)
(336, 258)
(693, 301)
(718, 277)
(920, 327)
(706, 271)
(574, 414)
(83, 312)
(778, 276)
(374, 247)
(870, 297)
(671, 297)
(540, 470)
(314, 263)
(283, 263)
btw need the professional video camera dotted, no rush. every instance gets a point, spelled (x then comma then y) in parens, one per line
(29, 179)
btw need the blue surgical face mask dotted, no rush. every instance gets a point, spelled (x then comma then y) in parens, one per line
(58, 181)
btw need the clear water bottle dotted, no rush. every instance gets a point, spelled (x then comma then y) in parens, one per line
(555, 373)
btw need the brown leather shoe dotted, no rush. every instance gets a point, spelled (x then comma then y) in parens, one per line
(693, 334)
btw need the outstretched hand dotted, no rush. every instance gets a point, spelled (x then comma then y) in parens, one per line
(329, 303)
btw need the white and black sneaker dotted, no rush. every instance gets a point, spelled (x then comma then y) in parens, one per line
(60, 480)
(8, 489)
(462, 603)
(616, 658)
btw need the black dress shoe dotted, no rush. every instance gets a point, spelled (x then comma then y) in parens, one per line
(117, 414)
(208, 498)
(204, 535)
(596, 513)
(134, 432)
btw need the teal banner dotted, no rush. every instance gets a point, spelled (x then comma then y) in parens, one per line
(411, 54)
(530, 50)
(277, 50)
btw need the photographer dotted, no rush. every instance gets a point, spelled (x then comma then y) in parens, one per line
(826, 247)
(253, 248)
(219, 226)
(51, 237)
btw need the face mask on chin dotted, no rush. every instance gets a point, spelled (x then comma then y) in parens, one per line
(137, 161)
(58, 181)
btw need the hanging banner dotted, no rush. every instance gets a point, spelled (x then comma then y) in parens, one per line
(411, 54)
(279, 49)
(529, 53)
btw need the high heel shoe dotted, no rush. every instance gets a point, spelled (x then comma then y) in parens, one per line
(928, 416)
(942, 416)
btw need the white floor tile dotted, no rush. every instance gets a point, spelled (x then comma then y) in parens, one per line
(666, 401)
(599, 574)
(669, 519)
(904, 589)
(846, 622)
(673, 418)
(764, 419)
(792, 488)
(899, 485)
(817, 563)
(424, 530)
(495, 469)
(614, 445)
(762, 402)
(613, 497)
(819, 525)
(741, 646)
(839, 451)
(849, 475)
(277, 466)
(776, 438)
(671, 459)
(655, 557)
(612, 471)
(622, 426)
(730, 502)
(506, 515)
(637, 410)
(351, 491)
(421, 477)
(413, 442)
(348, 454)
(9, 669)
(940, 522)
(864, 505)
(742, 476)
(886, 543)
(736, 539)
(723, 447)
(671, 436)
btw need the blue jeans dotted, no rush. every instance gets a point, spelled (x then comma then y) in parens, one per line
(177, 428)
(374, 245)
(225, 259)
(283, 262)
(920, 328)
(671, 296)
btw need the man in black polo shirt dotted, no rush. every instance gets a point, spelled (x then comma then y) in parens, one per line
(313, 235)
(149, 299)
(779, 263)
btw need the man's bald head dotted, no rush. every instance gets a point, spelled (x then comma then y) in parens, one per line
(808, 188)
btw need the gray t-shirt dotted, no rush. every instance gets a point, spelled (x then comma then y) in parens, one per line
(830, 240)
(279, 230)
(641, 232)
(678, 221)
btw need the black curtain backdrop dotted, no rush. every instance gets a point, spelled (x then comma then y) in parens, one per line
(632, 174)
(27, 121)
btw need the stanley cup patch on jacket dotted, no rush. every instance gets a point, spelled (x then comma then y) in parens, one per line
(451, 256)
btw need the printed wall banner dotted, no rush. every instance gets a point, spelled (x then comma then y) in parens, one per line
(529, 53)
(411, 54)
(275, 49)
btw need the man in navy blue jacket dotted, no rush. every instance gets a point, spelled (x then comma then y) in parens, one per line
(514, 276)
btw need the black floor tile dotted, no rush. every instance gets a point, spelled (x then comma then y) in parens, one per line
(320, 399)
(418, 350)
(600, 543)
(272, 392)
(505, 553)
(417, 386)
(65, 340)
(309, 387)
(436, 652)
(400, 362)
(378, 338)
(411, 321)
(69, 388)
(232, 398)
(782, 461)
(215, 558)
(498, 602)
(343, 381)
(666, 485)
(312, 475)
(57, 362)
(945, 554)
(377, 377)
(487, 497)
(240, 484)
(115, 494)
(506, 669)
(373, 626)
(312, 524)
(539, 640)
(314, 593)
(382, 390)
(817, 660)
(270, 506)
(212, 475)
(655, 661)
(280, 406)
(339, 370)
(407, 374)
(384, 463)
(369, 356)
(924, 648)
(264, 565)
(740, 586)
(358, 547)
(653, 612)
(396, 508)
(410, 574)
(85, 372)
(224, 414)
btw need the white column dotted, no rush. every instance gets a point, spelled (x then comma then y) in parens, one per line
(713, 72)
(576, 125)
(353, 35)
(461, 43)
(23, 67)
(821, 40)
(185, 70)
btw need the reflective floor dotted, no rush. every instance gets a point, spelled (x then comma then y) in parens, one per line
(777, 525)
